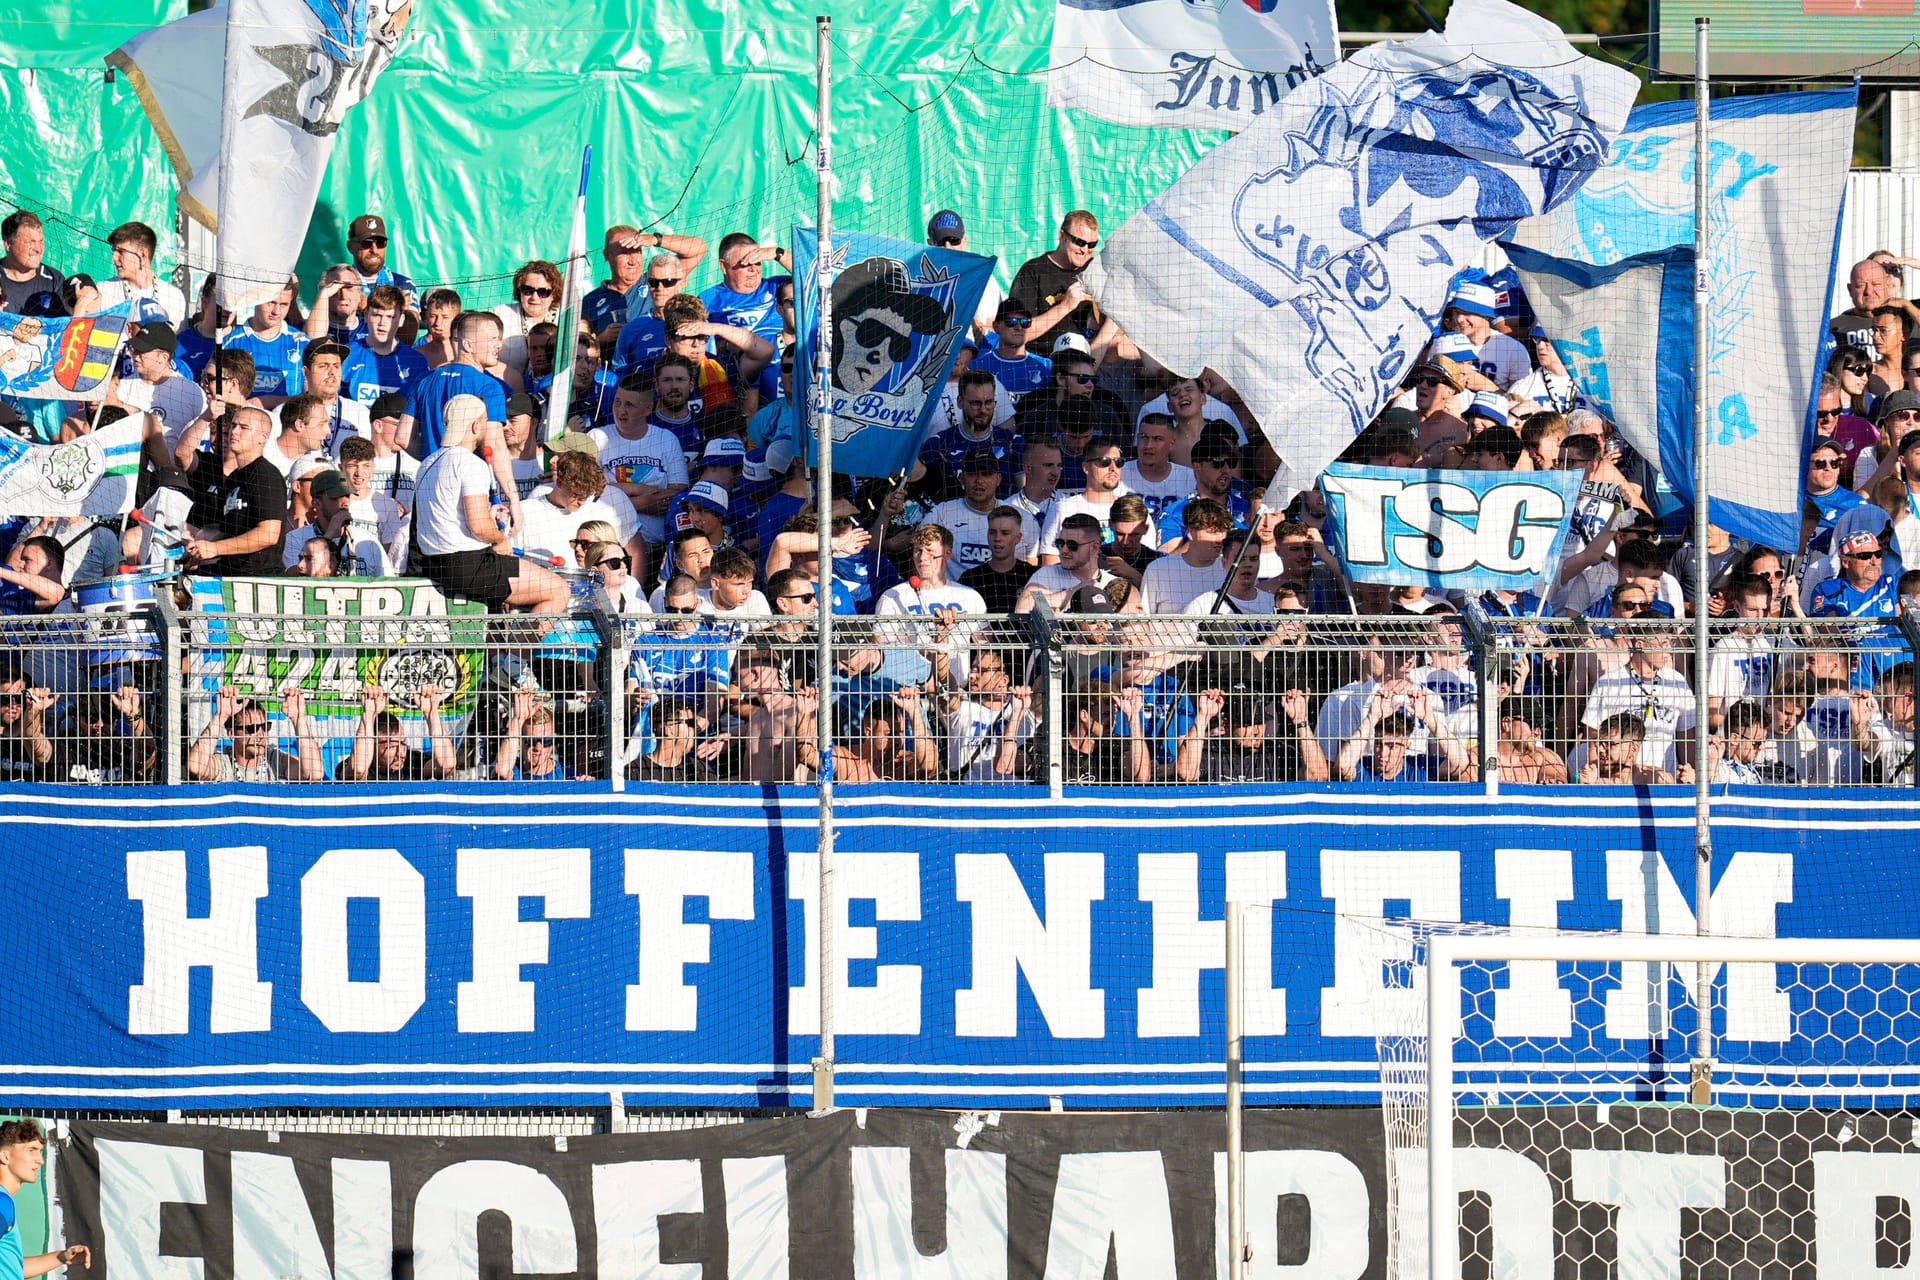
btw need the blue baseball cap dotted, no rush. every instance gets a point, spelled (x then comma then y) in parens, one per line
(945, 223)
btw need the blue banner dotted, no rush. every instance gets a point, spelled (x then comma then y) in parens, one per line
(297, 946)
(1470, 530)
(900, 314)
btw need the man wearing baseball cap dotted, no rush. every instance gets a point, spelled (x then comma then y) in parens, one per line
(367, 242)
(322, 365)
(1433, 387)
(156, 386)
(329, 517)
(393, 467)
(1498, 359)
(945, 230)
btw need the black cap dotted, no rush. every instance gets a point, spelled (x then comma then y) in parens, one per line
(390, 405)
(979, 462)
(1909, 440)
(324, 347)
(1089, 599)
(157, 336)
(521, 405)
(1894, 403)
(1011, 307)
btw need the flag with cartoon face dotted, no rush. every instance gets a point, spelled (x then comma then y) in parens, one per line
(899, 313)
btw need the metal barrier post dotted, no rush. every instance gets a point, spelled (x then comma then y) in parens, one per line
(612, 675)
(1909, 623)
(172, 728)
(1046, 661)
(1485, 638)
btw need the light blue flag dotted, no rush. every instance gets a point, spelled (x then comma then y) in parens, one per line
(900, 311)
(1466, 530)
(1775, 183)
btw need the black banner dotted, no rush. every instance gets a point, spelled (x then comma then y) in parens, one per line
(1630, 1191)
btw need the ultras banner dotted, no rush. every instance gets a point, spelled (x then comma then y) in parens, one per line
(872, 1194)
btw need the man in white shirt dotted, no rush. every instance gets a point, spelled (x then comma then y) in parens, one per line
(1648, 688)
(1499, 360)
(1102, 462)
(928, 594)
(329, 517)
(304, 425)
(1153, 474)
(965, 517)
(321, 362)
(1077, 565)
(579, 493)
(375, 515)
(1171, 583)
(133, 245)
(393, 467)
(1038, 493)
(730, 590)
(643, 462)
(156, 387)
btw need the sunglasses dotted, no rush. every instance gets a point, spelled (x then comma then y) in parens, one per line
(252, 726)
(663, 282)
(1629, 606)
(1903, 415)
(1071, 544)
(13, 699)
(1103, 462)
(535, 291)
(1429, 382)
(1857, 370)
(947, 242)
(371, 242)
(1821, 415)
(531, 743)
(1016, 322)
(1824, 464)
(1864, 555)
(612, 562)
(871, 333)
(683, 608)
(1084, 379)
(1084, 244)
(808, 598)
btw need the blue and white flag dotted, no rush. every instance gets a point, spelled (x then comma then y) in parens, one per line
(1307, 259)
(1195, 64)
(94, 475)
(900, 312)
(1777, 176)
(1465, 530)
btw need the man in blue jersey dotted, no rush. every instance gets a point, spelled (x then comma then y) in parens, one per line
(1864, 588)
(23, 1150)
(475, 337)
(379, 363)
(1014, 367)
(337, 307)
(275, 348)
(744, 296)
(624, 294)
(945, 451)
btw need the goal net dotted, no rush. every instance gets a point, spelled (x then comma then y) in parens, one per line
(1565, 1111)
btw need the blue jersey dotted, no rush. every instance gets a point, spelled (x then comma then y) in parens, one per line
(1172, 521)
(13, 1256)
(603, 307)
(1603, 607)
(641, 342)
(276, 361)
(193, 352)
(748, 310)
(366, 375)
(686, 664)
(1413, 768)
(946, 450)
(1832, 506)
(1165, 715)
(386, 275)
(1880, 647)
(594, 406)
(1020, 377)
(686, 430)
(347, 334)
(428, 396)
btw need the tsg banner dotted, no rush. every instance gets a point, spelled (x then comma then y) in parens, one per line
(557, 944)
(900, 312)
(1471, 530)
(882, 1194)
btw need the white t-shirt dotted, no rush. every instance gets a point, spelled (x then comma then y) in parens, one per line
(1077, 504)
(946, 411)
(922, 601)
(754, 606)
(653, 459)
(1664, 701)
(546, 530)
(161, 292)
(969, 530)
(1053, 579)
(1159, 493)
(283, 464)
(1170, 584)
(974, 735)
(1201, 606)
(1502, 359)
(446, 479)
(393, 476)
(176, 401)
(1741, 666)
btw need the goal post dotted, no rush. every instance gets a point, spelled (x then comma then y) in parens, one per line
(1851, 1007)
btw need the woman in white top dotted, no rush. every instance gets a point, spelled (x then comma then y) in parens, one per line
(536, 299)
(463, 550)
(615, 569)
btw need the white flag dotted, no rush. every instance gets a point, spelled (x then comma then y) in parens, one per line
(94, 475)
(294, 69)
(1195, 64)
(1307, 259)
(176, 71)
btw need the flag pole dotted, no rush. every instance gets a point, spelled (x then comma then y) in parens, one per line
(566, 341)
(828, 912)
(1700, 1089)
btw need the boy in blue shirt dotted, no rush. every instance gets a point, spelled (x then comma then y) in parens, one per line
(275, 349)
(1014, 367)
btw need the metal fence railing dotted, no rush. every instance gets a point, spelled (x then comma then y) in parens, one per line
(155, 696)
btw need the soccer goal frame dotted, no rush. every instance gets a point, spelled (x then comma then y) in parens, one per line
(1445, 953)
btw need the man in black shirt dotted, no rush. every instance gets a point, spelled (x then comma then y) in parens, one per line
(1244, 752)
(239, 514)
(1001, 578)
(380, 751)
(1050, 284)
(30, 286)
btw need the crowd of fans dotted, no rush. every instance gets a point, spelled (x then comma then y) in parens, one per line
(384, 430)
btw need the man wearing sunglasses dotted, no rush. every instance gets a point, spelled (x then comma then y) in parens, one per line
(1050, 287)
(1864, 588)
(1011, 360)
(1825, 466)
(367, 244)
(624, 293)
(1104, 487)
(253, 755)
(744, 296)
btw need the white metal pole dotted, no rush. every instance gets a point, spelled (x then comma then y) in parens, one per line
(1443, 1009)
(1700, 1088)
(1236, 1155)
(824, 961)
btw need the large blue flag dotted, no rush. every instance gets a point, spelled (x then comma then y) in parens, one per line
(1775, 182)
(1464, 530)
(900, 311)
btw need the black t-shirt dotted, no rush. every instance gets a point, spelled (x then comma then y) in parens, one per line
(1276, 759)
(1039, 414)
(417, 767)
(999, 590)
(37, 296)
(113, 758)
(691, 769)
(1108, 762)
(230, 505)
(1040, 283)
